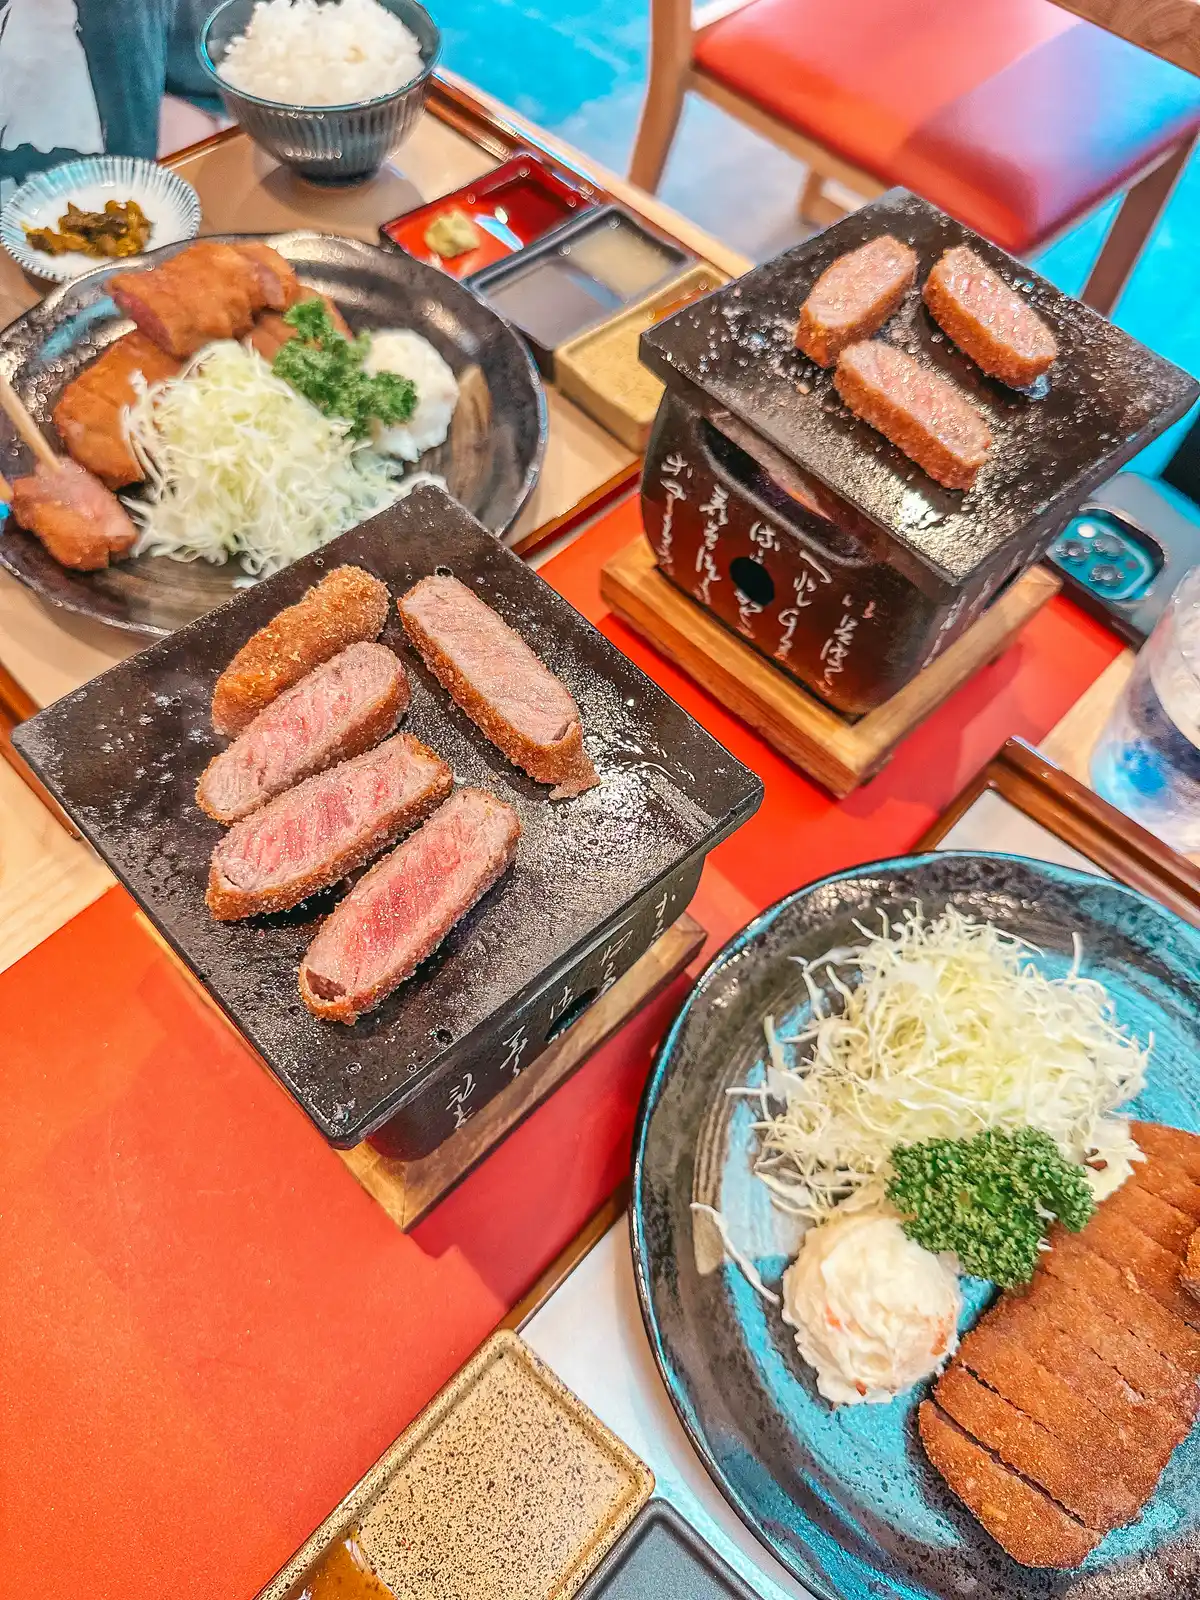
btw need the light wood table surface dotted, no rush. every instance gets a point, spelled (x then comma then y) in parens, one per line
(1167, 28)
(45, 876)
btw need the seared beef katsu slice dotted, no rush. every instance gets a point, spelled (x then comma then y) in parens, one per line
(1151, 1426)
(1154, 1269)
(339, 710)
(918, 410)
(1084, 1322)
(159, 308)
(1151, 1215)
(277, 287)
(989, 321)
(208, 291)
(1169, 1144)
(346, 607)
(226, 277)
(270, 332)
(1005, 1365)
(854, 297)
(1189, 1273)
(1169, 1183)
(81, 523)
(87, 413)
(1018, 1515)
(503, 687)
(1116, 1290)
(398, 914)
(328, 826)
(1098, 1499)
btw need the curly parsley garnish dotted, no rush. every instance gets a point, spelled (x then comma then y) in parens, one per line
(327, 369)
(990, 1198)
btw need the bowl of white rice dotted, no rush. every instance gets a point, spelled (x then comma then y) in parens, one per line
(327, 87)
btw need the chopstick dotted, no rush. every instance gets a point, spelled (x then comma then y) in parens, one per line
(14, 408)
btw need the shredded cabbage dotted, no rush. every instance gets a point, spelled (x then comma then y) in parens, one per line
(947, 1027)
(238, 464)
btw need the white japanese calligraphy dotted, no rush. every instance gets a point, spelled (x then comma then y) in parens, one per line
(837, 647)
(716, 513)
(608, 960)
(804, 586)
(459, 1095)
(673, 466)
(516, 1045)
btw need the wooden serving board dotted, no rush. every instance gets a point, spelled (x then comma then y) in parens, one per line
(839, 754)
(407, 1190)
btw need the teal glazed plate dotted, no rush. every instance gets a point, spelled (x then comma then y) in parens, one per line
(845, 1497)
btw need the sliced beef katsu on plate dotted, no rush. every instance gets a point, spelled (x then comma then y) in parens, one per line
(400, 912)
(348, 606)
(340, 709)
(498, 681)
(854, 297)
(312, 836)
(313, 796)
(988, 320)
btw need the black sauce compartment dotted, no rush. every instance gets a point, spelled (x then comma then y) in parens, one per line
(595, 881)
(662, 1557)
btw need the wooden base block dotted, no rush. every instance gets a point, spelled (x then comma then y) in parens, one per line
(407, 1190)
(839, 754)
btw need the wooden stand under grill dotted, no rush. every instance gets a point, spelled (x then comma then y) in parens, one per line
(407, 1190)
(839, 754)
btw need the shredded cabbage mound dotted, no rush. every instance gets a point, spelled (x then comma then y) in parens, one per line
(238, 464)
(947, 1027)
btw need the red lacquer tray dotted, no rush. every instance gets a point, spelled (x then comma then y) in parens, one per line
(512, 206)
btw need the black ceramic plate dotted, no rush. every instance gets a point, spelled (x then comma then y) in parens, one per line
(1105, 397)
(490, 461)
(123, 755)
(845, 1497)
(662, 1557)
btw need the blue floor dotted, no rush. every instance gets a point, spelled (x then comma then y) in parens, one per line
(578, 68)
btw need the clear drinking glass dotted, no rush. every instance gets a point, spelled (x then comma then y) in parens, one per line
(1147, 760)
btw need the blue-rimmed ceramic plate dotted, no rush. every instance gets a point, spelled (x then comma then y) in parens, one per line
(172, 208)
(845, 1498)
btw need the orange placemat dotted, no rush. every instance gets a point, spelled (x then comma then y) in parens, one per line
(209, 1330)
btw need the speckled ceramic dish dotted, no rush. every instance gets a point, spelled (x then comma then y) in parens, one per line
(171, 205)
(506, 1487)
(490, 462)
(845, 1498)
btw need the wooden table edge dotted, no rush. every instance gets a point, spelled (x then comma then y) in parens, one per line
(1050, 796)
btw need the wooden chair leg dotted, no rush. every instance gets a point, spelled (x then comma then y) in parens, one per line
(670, 62)
(1132, 226)
(656, 133)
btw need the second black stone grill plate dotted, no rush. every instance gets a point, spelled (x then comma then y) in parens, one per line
(1104, 399)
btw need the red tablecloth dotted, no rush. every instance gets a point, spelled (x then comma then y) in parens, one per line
(207, 1329)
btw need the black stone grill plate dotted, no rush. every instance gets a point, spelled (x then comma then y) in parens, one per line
(593, 879)
(1105, 398)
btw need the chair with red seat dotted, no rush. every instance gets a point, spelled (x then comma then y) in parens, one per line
(1012, 115)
